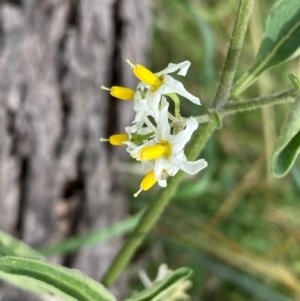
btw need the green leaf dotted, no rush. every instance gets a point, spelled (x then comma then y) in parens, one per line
(162, 287)
(46, 278)
(14, 247)
(288, 143)
(294, 79)
(280, 43)
(96, 237)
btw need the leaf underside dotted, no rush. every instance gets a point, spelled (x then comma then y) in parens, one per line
(280, 43)
(158, 290)
(287, 146)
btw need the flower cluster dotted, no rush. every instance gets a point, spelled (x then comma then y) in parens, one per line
(157, 138)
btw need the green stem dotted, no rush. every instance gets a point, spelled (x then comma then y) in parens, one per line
(171, 117)
(155, 209)
(176, 101)
(259, 102)
(203, 118)
(287, 96)
(243, 83)
(235, 46)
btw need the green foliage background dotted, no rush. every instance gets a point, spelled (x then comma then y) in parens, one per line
(234, 224)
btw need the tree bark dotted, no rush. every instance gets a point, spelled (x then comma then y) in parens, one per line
(56, 179)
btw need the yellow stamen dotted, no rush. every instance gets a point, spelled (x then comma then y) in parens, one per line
(148, 181)
(117, 139)
(146, 76)
(153, 152)
(120, 92)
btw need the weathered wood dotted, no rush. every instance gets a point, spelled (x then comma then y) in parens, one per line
(56, 179)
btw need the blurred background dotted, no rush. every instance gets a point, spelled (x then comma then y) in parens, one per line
(234, 224)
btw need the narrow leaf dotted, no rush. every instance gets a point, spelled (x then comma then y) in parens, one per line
(14, 247)
(288, 144)
(280, 43)
(162, 287)
(76, 242)
(47, 278)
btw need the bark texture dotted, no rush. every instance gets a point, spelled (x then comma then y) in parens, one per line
(56, 179)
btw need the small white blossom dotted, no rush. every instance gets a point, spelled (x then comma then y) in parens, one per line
(150, 139)
(167, 149)
(148, 166)
(168, 85)
(142, 110)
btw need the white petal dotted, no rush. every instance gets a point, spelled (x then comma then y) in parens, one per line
(140, 106)
(188, 166)
(163, 121)
(147, 166)
(159, 165)
(131, 147)
(139, 116)
(141, 86)
(153, 98)
(171, 170)
(130, 130)
(183, 68)
(137, 96)
(171, 85)
(179, 140)
(162, 183)
(149, 124)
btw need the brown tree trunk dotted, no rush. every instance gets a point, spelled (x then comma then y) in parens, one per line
(56, 179)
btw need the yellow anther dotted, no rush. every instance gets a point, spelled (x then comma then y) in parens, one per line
(146, 76)
(117, 139)
(120, 92)
(148, 181)
(153, 152)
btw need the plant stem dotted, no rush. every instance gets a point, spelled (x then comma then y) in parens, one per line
(235, 46)
(176, 101)
(287, 96)
(259, 102)
(203, 118)
(155, 209)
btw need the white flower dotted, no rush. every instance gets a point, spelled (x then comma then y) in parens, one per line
(161, 83)
(167, 149)
(148, 166)
(149, 180)
(142, 110)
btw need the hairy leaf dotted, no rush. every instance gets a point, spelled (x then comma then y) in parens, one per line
(158, 290)
(46, 278)
(288, 144)
(281, 41)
